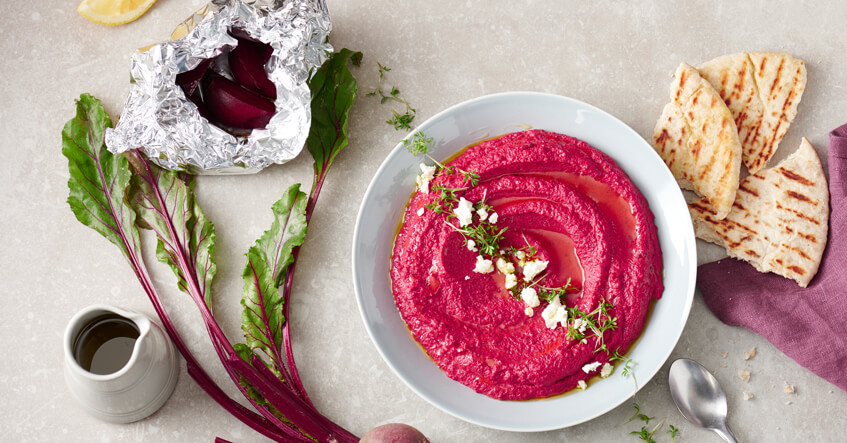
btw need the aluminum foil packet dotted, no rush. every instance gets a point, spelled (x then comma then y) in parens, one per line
(160, 119)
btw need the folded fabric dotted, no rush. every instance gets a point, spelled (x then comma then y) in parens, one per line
(809, 325)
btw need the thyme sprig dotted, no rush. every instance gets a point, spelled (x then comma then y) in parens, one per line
(398, 121)
(639, 415)
(419, 144)
(445, 200)
(674, 432)
(597, 321)
(486, 236)
(645, 435)
(548, 294)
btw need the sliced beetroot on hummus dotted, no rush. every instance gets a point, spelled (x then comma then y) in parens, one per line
(247, 62)
(189, 81)
(234, 106)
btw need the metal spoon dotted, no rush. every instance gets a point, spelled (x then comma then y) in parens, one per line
(699, 397)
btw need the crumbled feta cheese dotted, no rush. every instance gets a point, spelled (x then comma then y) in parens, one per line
(483, 266)
(511, 281)
(520, 255)
(464, 212)
(482, 213)
(493, 218)
(421, 211)
(555, 314)
(533, 268)
(528, 311)
(530, 297)
(504, 266)
(472, 246)
(467, 277)
(427, 174)
(580, 324)
(584, 341)
(434, 266)
(590, 367)
(581, 384)
(606, 371)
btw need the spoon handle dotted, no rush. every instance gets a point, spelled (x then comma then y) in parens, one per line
(726, 434)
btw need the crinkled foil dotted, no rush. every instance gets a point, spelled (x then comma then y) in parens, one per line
(160, 119)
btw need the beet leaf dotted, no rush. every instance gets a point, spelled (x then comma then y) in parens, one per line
(264, 274)
(99, 179)
(164, 202)
(333, 93)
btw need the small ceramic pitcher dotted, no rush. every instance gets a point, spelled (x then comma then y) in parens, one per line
(137, 389)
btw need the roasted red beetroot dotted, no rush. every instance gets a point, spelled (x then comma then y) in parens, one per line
(247, 62)
(190, 80)
(232, 105)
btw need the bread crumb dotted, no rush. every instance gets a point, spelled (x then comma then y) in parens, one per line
(748, 395)
(723, 365)
(750, 354)
(788, 402)
(744, 375)
(789, 389)
(724, 354)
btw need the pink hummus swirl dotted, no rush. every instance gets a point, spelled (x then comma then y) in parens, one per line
(580, 212)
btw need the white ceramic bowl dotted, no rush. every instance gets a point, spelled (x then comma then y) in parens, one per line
(485, 117)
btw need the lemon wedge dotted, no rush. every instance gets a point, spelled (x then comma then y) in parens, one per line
(113, 12)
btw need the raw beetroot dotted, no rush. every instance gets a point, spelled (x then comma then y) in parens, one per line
(232, 105)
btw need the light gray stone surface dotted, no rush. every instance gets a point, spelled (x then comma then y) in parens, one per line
(614, 55)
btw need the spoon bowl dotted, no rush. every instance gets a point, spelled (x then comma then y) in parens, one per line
(699, 397)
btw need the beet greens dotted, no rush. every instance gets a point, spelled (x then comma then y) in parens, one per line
(118, 194)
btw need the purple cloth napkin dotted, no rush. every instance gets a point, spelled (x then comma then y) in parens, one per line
(809, 325)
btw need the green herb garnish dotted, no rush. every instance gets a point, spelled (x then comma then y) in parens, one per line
(418, 144)
(486, 236)
(639, 415)
(548, 294)
(674, 432)
(398, 121)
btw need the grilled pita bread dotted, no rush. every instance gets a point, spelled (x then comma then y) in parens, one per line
(762, 91)
(697, 139)
(779, 220)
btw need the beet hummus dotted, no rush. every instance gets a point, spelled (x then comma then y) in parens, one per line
(525, 265)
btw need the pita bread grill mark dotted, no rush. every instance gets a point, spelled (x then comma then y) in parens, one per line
(798, 251)
(796, 177)
(762, 66)
(725, 224)
(797, 270)
(752, 192)
(798, 214)
(777, 78)
(786, 105)
(801, 197)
